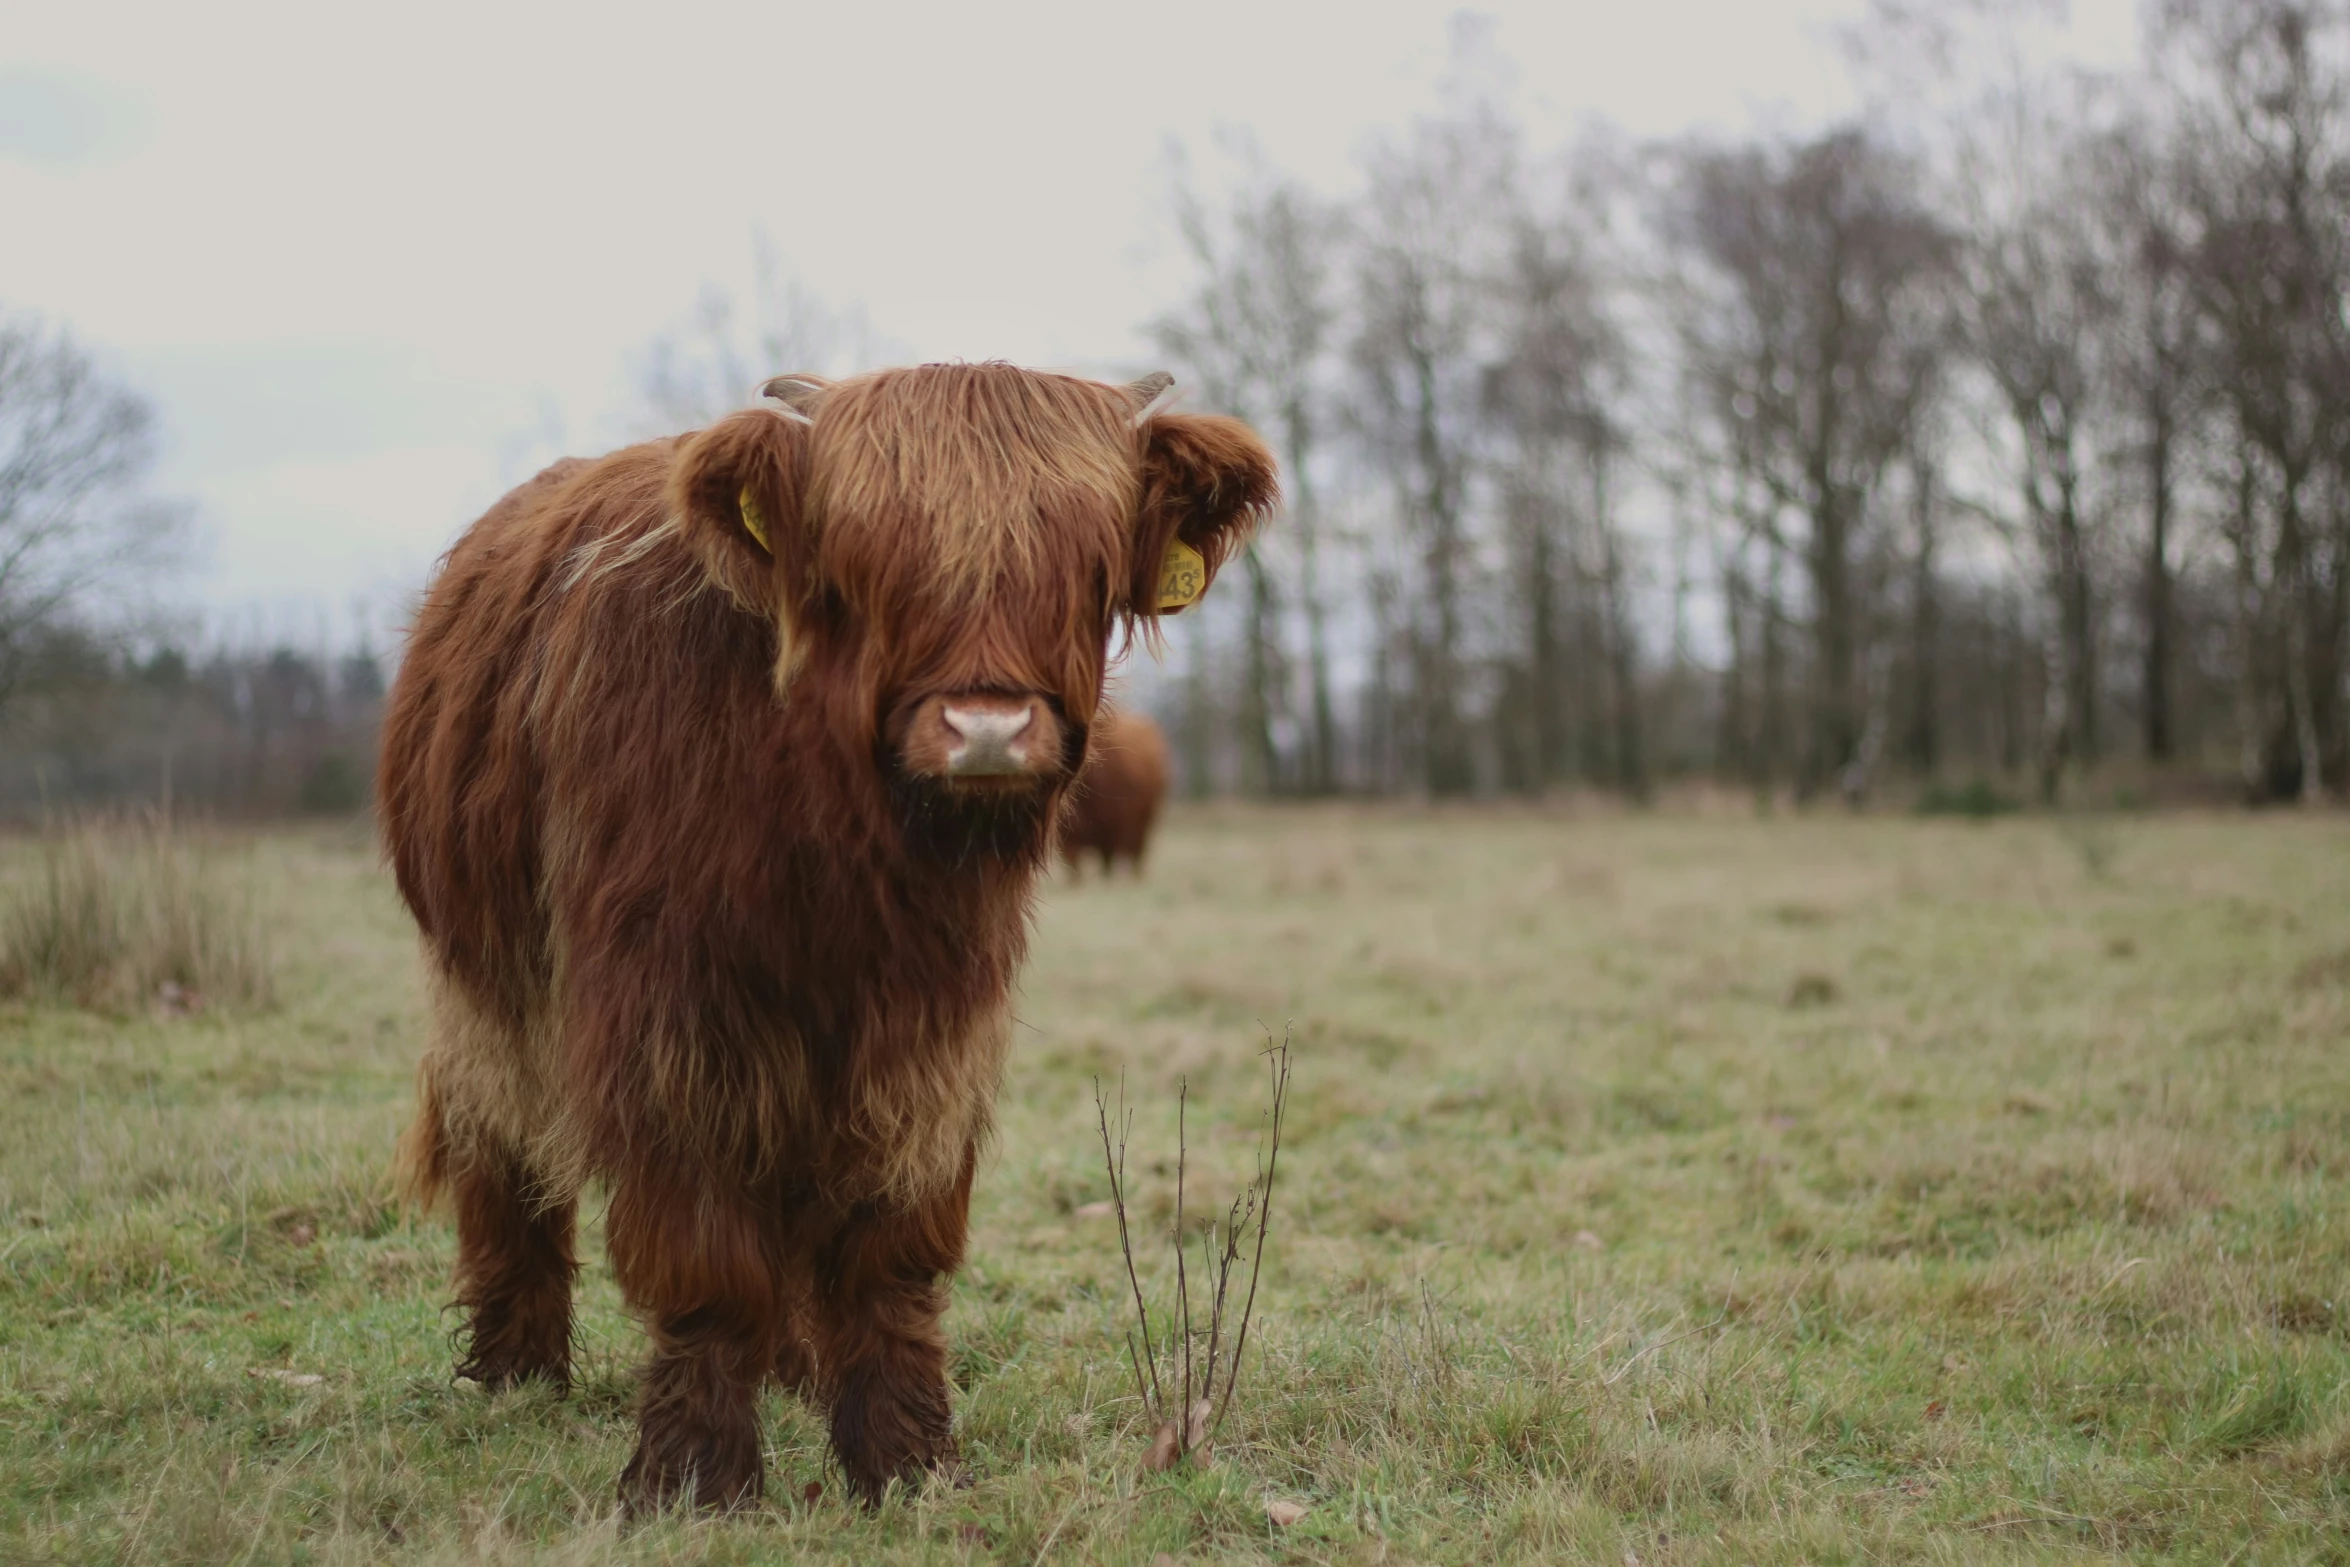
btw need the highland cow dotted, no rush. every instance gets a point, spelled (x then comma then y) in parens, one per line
(719, 776)
(1115, 801)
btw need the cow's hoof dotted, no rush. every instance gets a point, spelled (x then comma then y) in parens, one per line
(497, 1376)
(712, 1480)
(870, 1483)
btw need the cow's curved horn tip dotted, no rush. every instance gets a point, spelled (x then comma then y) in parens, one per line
(1151, 394)
(795, 392)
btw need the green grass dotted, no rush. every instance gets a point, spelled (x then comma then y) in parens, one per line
(1670, 1190)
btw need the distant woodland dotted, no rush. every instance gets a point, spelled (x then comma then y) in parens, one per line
(1994, 444)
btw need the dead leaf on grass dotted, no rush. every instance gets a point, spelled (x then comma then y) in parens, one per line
(289, 1378)
(1196, 1437)
(1170, 1446)
(1166, 1447)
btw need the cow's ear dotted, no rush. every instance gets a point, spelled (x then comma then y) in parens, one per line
(737, 490)
(1207, 481)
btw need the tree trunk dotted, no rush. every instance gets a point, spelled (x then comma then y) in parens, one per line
(1631, 772)
(1443, 727)
(1924, 631)
(1834, 730)
(1321, 769)
(1199, 720)
(1259, 760)
(1769, 751)
(1546, 674)
(2291, 579)
(1736, 756)
(2159, 740)
(2247, 685)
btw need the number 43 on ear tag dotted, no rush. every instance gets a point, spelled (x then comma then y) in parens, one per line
(1183, 577)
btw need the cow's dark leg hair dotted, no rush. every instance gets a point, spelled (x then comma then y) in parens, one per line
(514, 1270)
(797, 1368)
(881, 1287)
(697, 1419)
(701, 1266)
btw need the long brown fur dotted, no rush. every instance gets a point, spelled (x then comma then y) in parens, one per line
(1115, 801)
(699, 929)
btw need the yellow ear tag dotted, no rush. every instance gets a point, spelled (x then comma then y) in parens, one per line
(753, 521)
(1183, 576)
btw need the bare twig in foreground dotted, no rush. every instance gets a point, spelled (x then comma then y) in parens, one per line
(1202, 1384)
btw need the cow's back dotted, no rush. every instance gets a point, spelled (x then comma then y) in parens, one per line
(460, 783)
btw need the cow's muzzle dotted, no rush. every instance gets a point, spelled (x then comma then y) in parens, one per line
(984, 738)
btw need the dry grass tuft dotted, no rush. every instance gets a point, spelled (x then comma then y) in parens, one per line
(129, 912)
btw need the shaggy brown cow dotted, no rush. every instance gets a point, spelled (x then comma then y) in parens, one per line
(1116, 798)
(718, 775)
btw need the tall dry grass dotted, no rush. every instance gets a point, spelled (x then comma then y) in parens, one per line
(122, 912)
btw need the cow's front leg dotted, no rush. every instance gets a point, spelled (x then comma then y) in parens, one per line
(881, 1287)
(700, 1262)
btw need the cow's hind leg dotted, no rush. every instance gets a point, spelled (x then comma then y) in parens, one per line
(701, 1265)
(515, 1264)
(514, 1236)
(881, 1288)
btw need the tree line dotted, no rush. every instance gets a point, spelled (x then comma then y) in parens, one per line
(223, 730)
(105, 697)
(2001, 432)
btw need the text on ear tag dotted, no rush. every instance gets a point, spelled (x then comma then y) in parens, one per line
(755, 523)
(1183, 576)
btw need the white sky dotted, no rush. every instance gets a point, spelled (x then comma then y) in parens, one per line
(364, 257)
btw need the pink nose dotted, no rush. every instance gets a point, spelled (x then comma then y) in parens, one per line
(988, 740)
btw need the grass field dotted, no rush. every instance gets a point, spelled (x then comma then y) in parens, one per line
(1657, 1190)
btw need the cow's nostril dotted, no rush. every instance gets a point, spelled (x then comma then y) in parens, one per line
(970, 725)
(989, 739)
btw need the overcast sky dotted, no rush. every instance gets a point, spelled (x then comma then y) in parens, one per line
(366, 259)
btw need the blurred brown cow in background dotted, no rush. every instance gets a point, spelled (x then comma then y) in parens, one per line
(719, 776)
(1115, 801)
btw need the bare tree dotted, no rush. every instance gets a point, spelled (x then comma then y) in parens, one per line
(2035, 299)
(1554, 395)
(2151, 366)
(1254, 335)
(74, 530)
(712, 361)
(2265, 93)
(1434, 204)
(1808, 341)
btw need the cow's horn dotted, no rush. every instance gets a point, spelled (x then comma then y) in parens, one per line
(799, 394)
(1152, 393)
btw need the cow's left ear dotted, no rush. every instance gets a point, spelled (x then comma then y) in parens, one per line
(736, 489)
(1207, 481)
